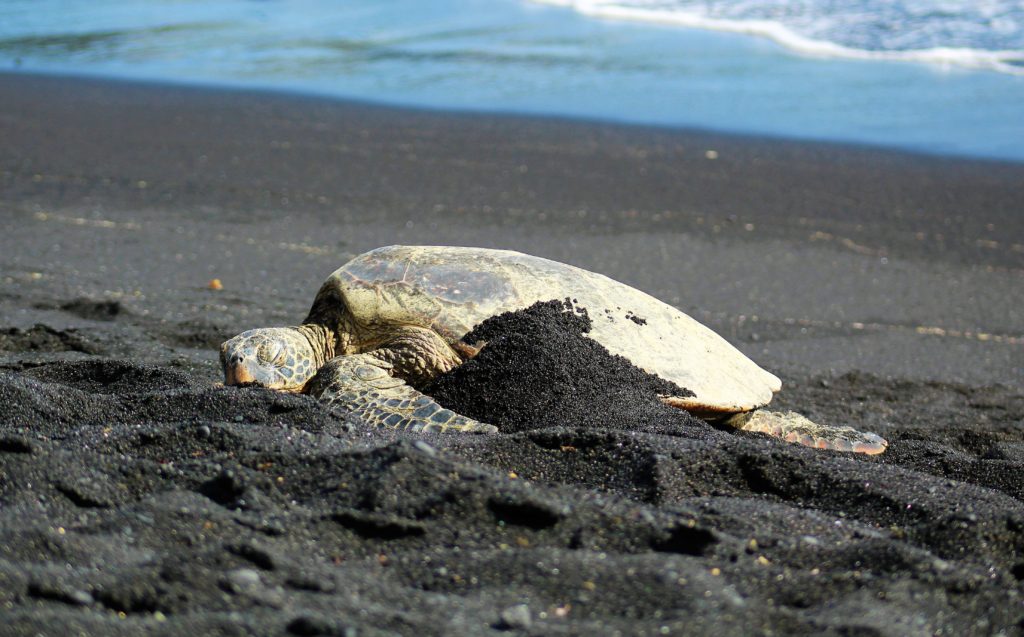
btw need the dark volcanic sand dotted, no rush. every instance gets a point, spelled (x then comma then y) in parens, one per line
(136, 497)
(538, 369)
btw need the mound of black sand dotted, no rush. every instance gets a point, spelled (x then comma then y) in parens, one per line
(539, 369)
(139, 498)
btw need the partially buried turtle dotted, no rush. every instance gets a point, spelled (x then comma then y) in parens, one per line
(390, 320)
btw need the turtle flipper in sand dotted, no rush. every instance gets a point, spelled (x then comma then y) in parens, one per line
(793, 427)
(410, 306)
(361, 387)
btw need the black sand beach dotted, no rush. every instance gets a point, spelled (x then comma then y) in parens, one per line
(137, 496)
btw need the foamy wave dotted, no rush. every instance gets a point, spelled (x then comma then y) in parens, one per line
(1003, 61)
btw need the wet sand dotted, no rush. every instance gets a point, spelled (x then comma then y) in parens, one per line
(884, 289)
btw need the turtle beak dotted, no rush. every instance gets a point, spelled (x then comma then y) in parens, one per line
(237, 374)
(233, 362)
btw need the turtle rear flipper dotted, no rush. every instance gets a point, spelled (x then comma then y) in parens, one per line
(793, 427)
(362, 388)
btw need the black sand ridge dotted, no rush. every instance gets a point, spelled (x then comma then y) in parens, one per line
(139, 497)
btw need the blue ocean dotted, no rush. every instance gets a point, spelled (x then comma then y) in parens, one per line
(933, 76)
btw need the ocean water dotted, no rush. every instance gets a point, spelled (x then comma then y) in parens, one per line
(934, 76)
(982, 34)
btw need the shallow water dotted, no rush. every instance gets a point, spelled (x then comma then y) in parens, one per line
(519, 56)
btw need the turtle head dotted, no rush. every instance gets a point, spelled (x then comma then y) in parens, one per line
(273, 357)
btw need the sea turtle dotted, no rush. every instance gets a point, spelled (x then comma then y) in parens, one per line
(390, 320)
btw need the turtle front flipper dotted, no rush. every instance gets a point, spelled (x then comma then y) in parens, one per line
(362, 388)
(793, 427)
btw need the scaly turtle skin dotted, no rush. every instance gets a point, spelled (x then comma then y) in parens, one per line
(390, 320)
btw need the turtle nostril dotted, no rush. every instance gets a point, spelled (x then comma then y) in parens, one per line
(237, 358)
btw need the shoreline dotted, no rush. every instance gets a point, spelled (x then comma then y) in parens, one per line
(310, 94)
(772, 167)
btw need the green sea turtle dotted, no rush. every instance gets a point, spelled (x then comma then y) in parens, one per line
(390, 320)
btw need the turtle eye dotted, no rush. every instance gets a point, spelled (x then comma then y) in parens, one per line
(281, 356)
(271, 352)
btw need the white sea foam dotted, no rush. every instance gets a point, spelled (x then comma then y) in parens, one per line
(980, 34)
